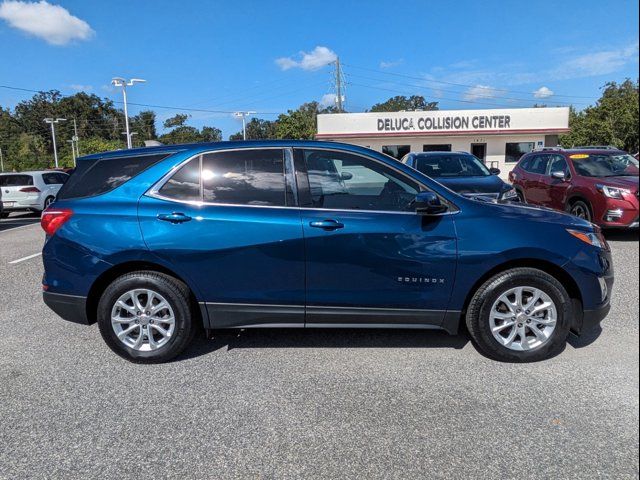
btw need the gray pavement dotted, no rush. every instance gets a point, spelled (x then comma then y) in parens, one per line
(310, 404)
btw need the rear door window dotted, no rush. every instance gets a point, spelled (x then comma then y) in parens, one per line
(244, 177)
(50, 178)
(184, 185)
(537, 164)
(95, 177)
(15, 180)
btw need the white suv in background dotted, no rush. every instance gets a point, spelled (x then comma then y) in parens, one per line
(33, 191)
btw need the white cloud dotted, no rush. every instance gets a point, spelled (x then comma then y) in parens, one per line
(314, 60)
(81, 88)
(328, 100)
(543, 92)
(52, 23)
(480, 91)
(598, 63)
(391, 64)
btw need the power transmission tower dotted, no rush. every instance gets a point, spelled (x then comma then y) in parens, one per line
(339, 87)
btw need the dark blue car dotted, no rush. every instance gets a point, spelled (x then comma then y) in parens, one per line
(152, 242)
(463, 173)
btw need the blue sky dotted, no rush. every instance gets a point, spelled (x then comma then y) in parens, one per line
(246, 55)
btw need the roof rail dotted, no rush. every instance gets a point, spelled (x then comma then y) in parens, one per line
(596, 147)
(545, 149)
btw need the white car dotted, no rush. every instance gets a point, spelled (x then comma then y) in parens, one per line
(33, 191)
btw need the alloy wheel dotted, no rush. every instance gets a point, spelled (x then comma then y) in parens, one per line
(523, 318)
(143, 320)
(580, 210)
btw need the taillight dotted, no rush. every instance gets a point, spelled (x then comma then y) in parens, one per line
(512, 176)
(53, 219)
(30, 190)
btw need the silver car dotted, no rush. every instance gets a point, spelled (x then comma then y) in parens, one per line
(32, 191)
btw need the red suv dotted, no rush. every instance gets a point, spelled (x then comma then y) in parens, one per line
(599, 185)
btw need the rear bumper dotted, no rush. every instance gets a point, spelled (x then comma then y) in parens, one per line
(68, 307)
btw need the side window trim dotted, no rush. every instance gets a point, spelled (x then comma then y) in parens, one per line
(154, 191)
(304, 187)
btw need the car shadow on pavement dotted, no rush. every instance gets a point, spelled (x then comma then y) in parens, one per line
(622, 235)
(324, 338)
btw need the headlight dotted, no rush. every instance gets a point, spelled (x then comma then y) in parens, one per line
(595, 238)
(612, 192)
(510, 194)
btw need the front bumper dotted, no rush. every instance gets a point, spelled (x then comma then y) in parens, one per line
(69, 307)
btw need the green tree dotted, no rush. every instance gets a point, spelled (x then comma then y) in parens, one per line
(145, 125)
(300, 124)
(613, 120)
(257, 129)
(399, 103)
(182, 133)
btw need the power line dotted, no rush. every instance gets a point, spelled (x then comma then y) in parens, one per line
(487, 96)
(147, 105)
(443, 82)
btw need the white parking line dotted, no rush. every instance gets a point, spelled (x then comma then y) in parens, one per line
(25, 258)
(11, 229)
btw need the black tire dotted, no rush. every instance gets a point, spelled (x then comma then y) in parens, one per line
(4, 214)
(477, 318)
(48, 201)
(521, 195)
(177, 295)
(581, 209)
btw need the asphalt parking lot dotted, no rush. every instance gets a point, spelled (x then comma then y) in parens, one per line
(309, 404)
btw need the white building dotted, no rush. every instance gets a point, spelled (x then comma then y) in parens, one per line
(499, 137)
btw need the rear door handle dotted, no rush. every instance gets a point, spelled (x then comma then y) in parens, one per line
(175, 217)
(326, 224)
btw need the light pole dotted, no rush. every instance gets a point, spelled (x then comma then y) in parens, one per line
(121, 82)
(130, 136)
(53, 122)
(244, 115)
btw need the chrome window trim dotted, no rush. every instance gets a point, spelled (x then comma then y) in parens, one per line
(154, 190)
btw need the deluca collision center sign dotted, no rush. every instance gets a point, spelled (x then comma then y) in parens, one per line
(445, 122)
(475, 122)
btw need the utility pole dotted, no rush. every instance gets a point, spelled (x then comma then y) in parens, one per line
(121, 82)
(338, 85)
(53, 122)
(244, 115)
(76, 139)
(1, 161)
(73, 151)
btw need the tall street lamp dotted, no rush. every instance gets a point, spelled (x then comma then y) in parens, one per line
(244, 115)
(124, 83)
(53, 122)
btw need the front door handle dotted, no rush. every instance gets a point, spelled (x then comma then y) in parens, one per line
(175, 217)
(326, 224)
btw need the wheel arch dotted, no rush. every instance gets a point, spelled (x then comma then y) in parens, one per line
(550, 268)
(109, 275)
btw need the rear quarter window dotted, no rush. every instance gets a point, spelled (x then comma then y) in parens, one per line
(95, 177)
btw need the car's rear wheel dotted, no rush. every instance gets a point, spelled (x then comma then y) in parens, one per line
(581, 209)
(520, 315)
(145, 317)
(48, 201)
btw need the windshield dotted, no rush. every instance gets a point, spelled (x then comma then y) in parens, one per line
(451, 165)
(605, 165)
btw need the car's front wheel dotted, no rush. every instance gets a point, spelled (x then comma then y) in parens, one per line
(581, 209)
(520, 315)
(145, 317)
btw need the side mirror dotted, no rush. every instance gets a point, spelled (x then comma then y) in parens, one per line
(428, 203)
(494, 171)
(559, 175)
(346, 175)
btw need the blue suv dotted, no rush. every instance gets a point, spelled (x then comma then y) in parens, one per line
(152, 243)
